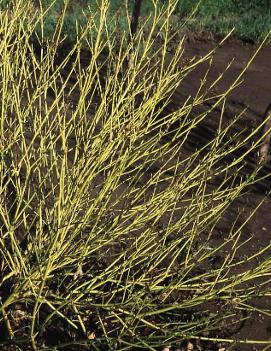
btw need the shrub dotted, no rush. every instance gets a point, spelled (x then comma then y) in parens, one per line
(107, 228)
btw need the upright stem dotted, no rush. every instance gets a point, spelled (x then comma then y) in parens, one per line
(133, 29)
(135, 17)
(266, 133)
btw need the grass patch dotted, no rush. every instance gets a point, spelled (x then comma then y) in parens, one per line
(250, 19)
(107, 228)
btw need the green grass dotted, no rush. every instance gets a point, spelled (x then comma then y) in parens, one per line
(107, 232)
(250, 19)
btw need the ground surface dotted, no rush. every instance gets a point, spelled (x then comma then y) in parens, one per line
(254, 93)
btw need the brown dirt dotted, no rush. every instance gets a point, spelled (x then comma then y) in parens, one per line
(255, 94)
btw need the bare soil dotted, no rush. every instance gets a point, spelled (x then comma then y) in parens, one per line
(255, 95)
